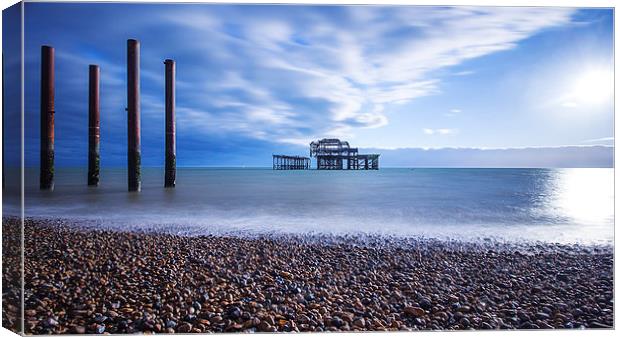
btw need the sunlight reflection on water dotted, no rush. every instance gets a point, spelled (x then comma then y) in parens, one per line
(584, 195)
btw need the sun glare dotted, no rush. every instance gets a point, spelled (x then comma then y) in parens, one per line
(585, 197)
(593, 87)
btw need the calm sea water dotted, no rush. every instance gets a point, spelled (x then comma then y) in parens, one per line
(555, 205)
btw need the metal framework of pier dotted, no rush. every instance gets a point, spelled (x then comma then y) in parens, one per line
(282, 162)
(334, 154)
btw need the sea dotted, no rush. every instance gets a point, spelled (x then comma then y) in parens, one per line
(548, 205)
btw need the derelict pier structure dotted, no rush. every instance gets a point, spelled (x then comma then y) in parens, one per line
(330, 154)
(334, 154)
(281, 162)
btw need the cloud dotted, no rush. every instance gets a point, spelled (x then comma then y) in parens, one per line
(464, 73)
(599, 140)
(444, 131)
(341, 65)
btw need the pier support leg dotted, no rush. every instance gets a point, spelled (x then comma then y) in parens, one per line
(93, 125)
(46, 174)
(3, 123)
(171, 148)
(133, 115)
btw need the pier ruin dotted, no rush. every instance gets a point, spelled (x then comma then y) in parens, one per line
(330, 154)
(334, 154)
(282, 162)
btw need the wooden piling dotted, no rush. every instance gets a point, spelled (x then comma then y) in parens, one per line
(133, 115)
(46, 174)
(93, 125)
(171, 148)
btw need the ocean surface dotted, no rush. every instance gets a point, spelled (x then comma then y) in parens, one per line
(551, 205)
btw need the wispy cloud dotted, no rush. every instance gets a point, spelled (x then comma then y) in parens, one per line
(600, 140)
(443, 131)
(452, 112)
(464, 73)
(318, 70)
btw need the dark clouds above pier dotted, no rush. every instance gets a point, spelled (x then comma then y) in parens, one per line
(252, 80)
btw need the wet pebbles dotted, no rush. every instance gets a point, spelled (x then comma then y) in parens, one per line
(96, 281)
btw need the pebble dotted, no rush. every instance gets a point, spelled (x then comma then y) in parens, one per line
(598, 325)
(50, 322)
(425, 303)
(99, 328)
(264, 326)
(100, 318)
(360, 323)
(464, 309)
(486, 326)
(184, 327)
(234, 312)
(414, 311)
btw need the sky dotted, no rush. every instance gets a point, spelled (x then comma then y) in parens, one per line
(253, 80)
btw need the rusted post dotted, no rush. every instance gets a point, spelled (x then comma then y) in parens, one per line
(46, 175)
(133, 115)
(171, 147)
(93, 125)
(3, 123)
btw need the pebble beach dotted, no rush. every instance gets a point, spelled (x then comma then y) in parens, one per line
(85, 280)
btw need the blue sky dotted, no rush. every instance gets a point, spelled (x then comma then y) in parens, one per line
(257, 80)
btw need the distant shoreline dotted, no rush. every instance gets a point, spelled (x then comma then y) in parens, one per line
(170, 283)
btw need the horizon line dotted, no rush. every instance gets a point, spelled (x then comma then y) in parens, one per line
(314, 169)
